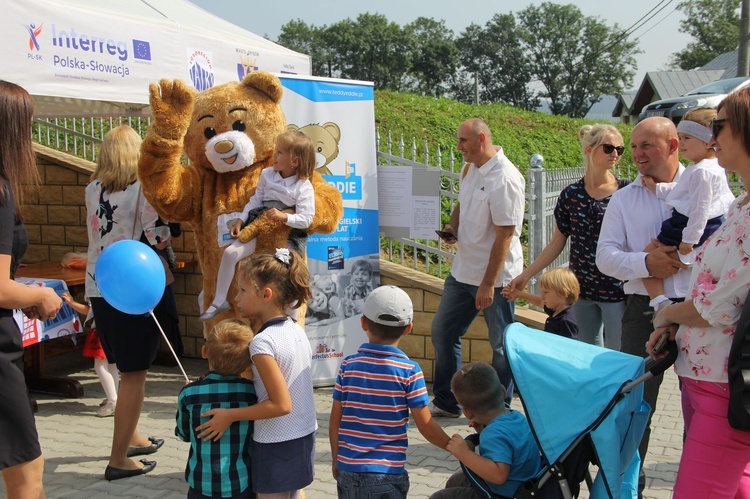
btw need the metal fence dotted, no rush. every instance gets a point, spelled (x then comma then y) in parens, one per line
(542, 189)
(82, 136)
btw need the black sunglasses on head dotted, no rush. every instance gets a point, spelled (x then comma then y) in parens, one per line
(608, 148)
(717, 127)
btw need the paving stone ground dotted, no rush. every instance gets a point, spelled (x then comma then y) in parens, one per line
(76, 443)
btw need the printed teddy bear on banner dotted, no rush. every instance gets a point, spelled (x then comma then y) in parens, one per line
(228, 134)
(325, 139)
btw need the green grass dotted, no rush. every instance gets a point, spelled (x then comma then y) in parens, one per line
(521, 133)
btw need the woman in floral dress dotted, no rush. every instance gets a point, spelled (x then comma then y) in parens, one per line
(716, 457)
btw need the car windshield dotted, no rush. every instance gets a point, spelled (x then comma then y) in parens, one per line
(718, 87)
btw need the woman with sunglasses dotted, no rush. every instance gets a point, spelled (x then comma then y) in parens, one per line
(715, 459)
(578, 216)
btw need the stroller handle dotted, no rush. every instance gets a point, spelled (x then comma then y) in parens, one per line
(654, 368)
(661, 365)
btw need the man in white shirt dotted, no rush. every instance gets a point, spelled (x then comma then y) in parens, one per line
(633, 218)
(486, 223)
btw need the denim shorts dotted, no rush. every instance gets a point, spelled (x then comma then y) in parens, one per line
(365, 485)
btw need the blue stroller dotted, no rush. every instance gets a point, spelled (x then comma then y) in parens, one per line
(585, 406)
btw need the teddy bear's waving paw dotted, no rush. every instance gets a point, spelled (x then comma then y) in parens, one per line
(171, 105)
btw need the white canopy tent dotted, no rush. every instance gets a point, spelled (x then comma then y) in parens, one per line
(97, 57)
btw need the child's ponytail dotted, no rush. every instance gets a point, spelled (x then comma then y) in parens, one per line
(285, 270)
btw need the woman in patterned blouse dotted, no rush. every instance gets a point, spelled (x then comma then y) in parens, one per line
(578, 216)
(715, 459)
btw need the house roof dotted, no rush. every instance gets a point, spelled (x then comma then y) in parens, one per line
(624, 103)
(726, 62)
(658, 85)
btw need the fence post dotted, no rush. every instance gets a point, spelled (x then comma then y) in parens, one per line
(537, 193)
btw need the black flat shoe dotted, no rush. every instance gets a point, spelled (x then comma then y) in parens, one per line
(112, 473)
(156, 443)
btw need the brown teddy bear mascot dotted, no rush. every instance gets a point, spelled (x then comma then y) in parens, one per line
(229, 135)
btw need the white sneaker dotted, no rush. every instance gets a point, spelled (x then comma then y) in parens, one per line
(437, 412)
(107, 409)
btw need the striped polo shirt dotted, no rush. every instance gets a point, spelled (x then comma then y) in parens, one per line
(376, 387)
(216, 468)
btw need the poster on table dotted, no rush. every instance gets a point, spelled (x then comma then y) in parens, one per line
(339, 117)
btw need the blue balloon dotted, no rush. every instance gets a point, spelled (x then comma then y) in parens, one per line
(130, 276)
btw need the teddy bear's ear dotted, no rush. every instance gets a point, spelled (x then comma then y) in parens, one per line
(333, 129)
(292, 128)
(266, 83)
(315, 278)
(335, 278)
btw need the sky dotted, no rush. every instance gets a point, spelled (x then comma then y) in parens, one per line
(658, 38)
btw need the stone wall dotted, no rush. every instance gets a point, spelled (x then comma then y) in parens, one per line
(55, 219)
(425, 292)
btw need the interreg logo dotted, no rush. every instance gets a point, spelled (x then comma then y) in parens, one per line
(349, 185)
(201, 70)
(34, 32)
(94, 43)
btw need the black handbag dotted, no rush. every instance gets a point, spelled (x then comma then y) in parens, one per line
(739, 372)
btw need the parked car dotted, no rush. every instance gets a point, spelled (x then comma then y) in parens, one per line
(706, 96)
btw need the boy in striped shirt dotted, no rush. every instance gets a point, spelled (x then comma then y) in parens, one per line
(374, 391)
(219, 469)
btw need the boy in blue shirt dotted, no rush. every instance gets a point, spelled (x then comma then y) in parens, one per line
(374, 391)
(219, 469)
(508, 454)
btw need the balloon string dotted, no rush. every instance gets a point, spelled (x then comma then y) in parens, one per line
(169, 345)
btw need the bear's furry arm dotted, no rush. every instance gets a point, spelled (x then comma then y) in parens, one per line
(271, 234)
(172, 189)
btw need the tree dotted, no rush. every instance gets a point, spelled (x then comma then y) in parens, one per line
(310, 40)
(369, 49)
(577, 58)
(715, 26)
(434, 56)
(495, 57)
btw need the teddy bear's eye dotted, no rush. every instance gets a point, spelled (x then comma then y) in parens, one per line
(320, 149)
(238, 125)
(209, 132)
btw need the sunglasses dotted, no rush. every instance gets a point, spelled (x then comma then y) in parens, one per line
(608, 148)
(717, 127)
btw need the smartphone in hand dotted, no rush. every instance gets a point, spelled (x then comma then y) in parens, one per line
(446, 236)
(661, 342)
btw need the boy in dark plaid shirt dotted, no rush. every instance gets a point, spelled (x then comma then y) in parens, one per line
(219, 469)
